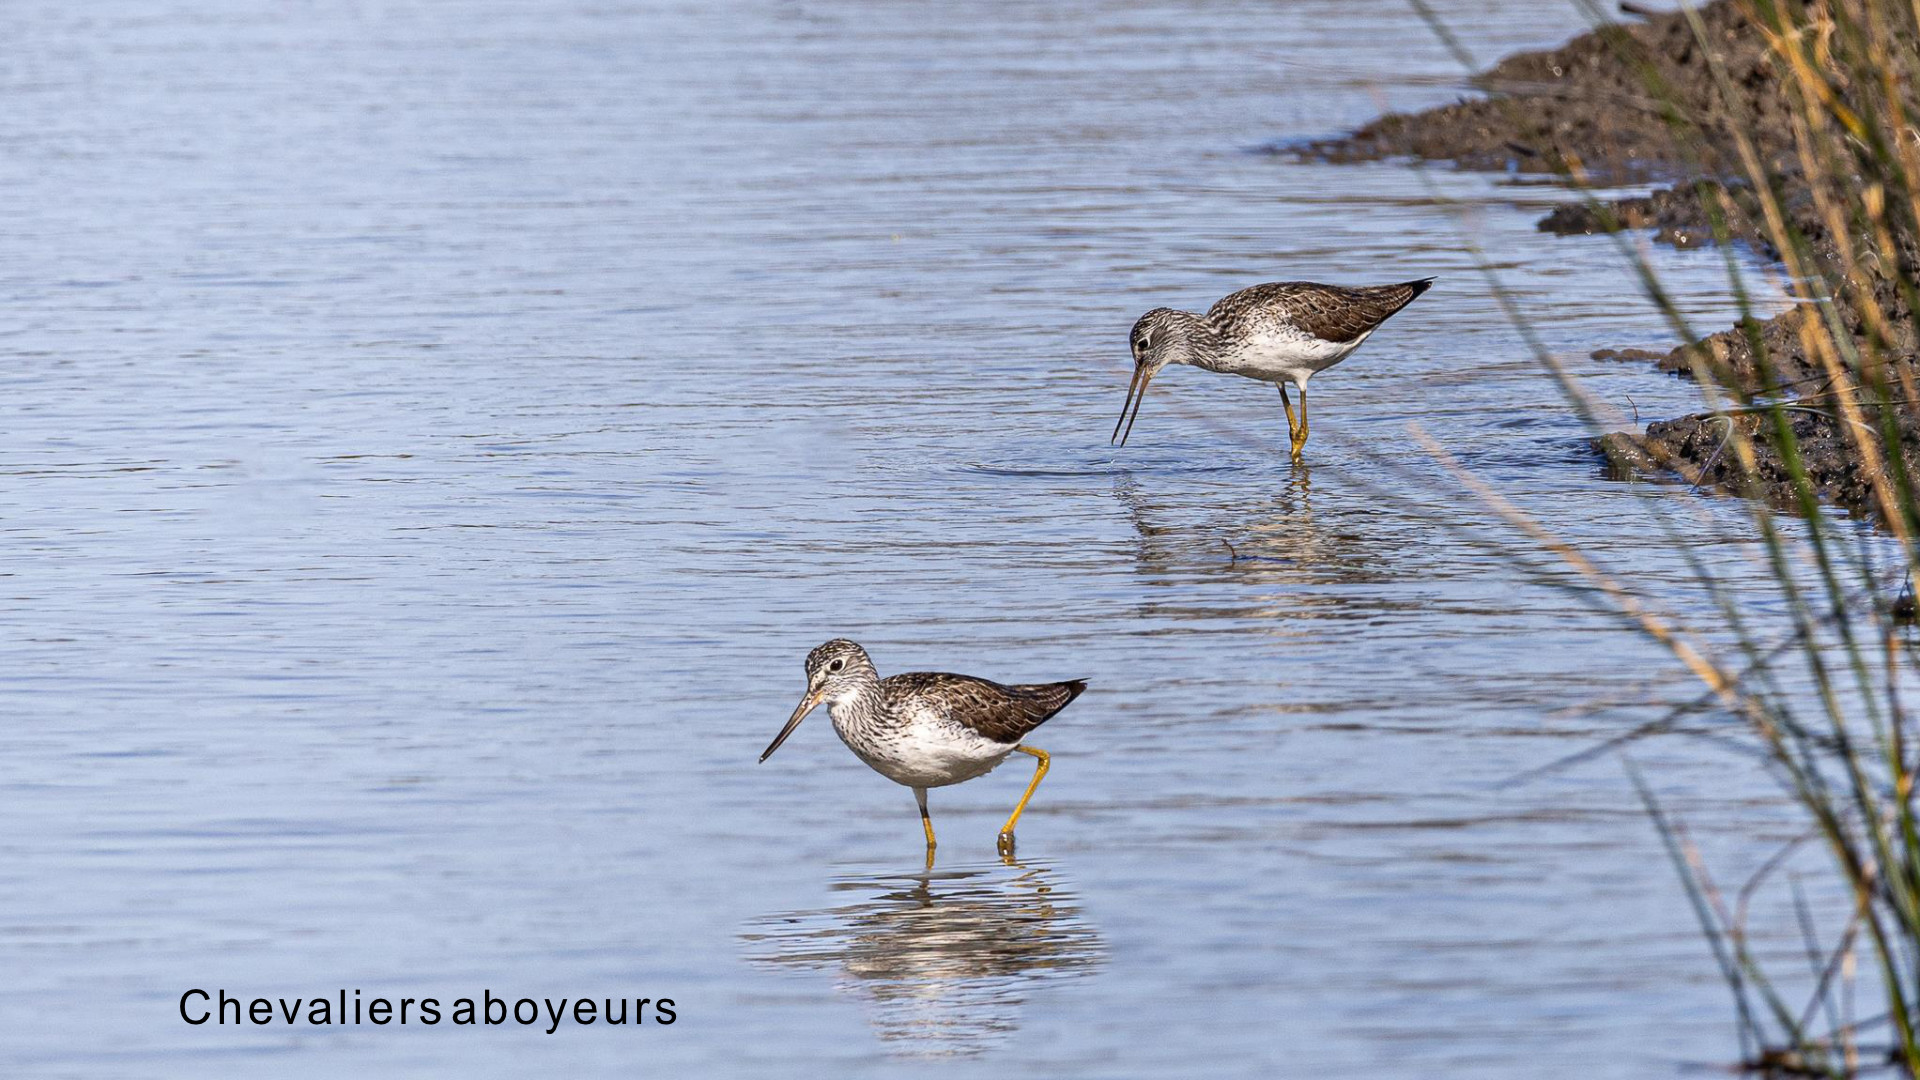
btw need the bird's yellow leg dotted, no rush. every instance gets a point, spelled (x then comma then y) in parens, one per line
(1300, 437)
(926, 821)
(1293, 426)
(1039, 773)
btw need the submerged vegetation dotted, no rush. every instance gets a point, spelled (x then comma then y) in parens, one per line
(1790, 127)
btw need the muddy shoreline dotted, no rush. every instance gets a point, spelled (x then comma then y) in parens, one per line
(1584, 111)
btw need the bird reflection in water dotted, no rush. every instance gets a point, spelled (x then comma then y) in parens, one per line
(945, 960)
(1272, 534)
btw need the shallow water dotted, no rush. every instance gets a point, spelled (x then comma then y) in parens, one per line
(436, 433)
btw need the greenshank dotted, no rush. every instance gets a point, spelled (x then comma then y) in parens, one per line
(927, 729)
(1282, 332)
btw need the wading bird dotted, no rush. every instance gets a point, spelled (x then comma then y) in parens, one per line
(1283, 332)
(927, 729)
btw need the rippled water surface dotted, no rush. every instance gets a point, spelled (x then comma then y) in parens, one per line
(436, 432)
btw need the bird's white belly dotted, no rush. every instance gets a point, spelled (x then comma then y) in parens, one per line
(924, 752)
(1295, 357)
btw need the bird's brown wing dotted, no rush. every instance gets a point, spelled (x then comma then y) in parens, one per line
(1004, 714)
(1328, 312)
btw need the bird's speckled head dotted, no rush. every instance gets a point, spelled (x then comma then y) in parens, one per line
(836, 668)
(838, 671)
(1160, 337)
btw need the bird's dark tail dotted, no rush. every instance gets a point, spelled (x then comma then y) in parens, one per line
(1053, 696)
(1389, 299)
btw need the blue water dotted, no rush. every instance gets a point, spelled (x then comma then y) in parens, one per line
(436, 432)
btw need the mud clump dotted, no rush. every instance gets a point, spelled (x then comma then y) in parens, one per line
(1626, 354)
(1675, 215)
(1700, 450)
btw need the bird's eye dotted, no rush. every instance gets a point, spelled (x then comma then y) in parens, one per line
(836, 665)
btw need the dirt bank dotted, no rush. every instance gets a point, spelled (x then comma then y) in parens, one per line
(1586, 109)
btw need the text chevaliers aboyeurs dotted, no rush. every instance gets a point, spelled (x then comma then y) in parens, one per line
(197, 1007)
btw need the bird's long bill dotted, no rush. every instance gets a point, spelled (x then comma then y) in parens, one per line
(806, 706)
(1136, 393)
